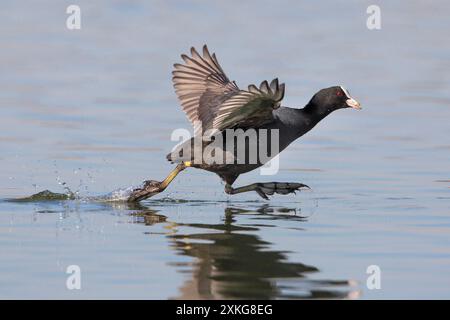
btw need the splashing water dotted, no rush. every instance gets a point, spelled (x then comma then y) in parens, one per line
(118, 195)
(121, 194)
(45, 195)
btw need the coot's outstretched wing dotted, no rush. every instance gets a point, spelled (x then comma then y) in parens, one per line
(201, 85)
(250, 109)
(211, 101)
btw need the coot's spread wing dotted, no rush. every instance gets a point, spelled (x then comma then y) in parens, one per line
(211, 101)
(250, 109)
(201, 86)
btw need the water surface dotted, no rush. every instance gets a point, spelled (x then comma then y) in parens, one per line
(92, 110)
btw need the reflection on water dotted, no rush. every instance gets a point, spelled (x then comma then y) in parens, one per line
(233, 262)
(129, 250)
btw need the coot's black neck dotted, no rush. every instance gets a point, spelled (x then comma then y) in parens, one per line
(293, 123)
(310, 116)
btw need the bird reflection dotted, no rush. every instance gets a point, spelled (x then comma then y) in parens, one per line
(232, 262)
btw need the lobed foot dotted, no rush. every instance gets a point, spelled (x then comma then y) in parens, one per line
(149, 189)
(269, 188)
(266, 189)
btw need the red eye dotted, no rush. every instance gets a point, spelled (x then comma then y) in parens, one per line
(339, 93)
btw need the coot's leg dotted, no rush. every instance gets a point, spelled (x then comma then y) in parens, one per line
(265, 189)
(152, 187)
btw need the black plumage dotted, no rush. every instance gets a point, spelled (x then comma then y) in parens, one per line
(214, 104)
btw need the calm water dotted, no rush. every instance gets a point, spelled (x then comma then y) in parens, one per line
(93, 110)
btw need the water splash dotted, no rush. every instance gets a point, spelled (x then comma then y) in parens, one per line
(121, 194)
(45, 195)
(68, 192)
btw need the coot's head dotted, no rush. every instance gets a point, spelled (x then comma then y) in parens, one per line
(327, 100)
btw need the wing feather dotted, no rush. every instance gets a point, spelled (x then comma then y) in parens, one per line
(250, 108)
(209, 97)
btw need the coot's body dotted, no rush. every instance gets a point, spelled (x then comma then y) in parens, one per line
(215, 105)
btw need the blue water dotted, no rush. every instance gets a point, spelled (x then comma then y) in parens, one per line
(93, 110)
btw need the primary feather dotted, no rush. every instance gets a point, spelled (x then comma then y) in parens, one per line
(211, 101)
